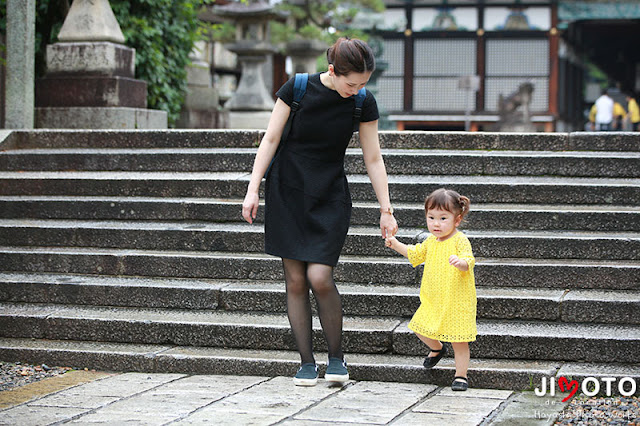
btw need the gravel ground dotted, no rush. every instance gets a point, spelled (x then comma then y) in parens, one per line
(584, 410)
(13, 375)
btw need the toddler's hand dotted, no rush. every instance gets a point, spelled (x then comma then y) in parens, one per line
(389, 241)
(458, 263)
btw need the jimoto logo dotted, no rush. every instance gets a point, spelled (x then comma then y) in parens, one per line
(591, 386)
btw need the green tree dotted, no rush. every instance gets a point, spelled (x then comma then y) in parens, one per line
(323, 20)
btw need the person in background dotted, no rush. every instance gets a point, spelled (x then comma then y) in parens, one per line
(634, 113)
(604, 112)
(619, 114)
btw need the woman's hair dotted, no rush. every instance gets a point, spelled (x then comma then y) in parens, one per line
(351, 55)
(449, 200)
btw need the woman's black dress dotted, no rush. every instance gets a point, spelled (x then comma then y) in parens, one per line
(307, 199)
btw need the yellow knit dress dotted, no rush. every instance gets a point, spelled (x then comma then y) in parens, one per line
(447, 309)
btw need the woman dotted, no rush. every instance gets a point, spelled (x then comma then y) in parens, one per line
(308, 204)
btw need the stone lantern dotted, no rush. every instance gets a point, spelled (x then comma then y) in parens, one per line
(90, 76)
(250, 106)
(303, 52)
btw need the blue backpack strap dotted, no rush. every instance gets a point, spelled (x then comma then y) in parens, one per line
(299, 89)
(357, 111)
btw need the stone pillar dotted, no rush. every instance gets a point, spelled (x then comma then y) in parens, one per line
(251, 105)
(201, 105)
(304, 54)
(21, 30)
(90, 76)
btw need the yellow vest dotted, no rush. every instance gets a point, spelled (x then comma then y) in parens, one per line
(634, 111)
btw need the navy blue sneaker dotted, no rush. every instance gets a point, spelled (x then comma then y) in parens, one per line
(336, 371)
(307, 375)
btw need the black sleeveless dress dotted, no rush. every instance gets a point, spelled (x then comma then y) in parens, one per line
(307, 199)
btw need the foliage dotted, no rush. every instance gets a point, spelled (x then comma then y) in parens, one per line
(322, 20)
(163, 33)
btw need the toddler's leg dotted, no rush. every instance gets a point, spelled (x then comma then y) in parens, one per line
(431, 343)
(438, 350)
(462, 356)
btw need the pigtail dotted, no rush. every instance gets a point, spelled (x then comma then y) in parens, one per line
(465, 205)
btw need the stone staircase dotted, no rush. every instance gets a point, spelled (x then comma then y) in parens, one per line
(126, 250)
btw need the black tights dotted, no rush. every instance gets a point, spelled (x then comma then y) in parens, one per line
(299, 277)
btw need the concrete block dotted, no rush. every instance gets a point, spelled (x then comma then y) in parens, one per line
(445, 404)
(99, 118)
(368, 402)
(249, 119)
(528, 409)
(198, 75)
(201, 98)
(86, 58)
(91, 21)
(91, 91)
(40, 415)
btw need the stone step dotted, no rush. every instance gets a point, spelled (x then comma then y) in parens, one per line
(397, 161)
(541, 340)
(507, 272)
(512, 339)
(611, 307)
(367, 241)
(484, 216)
(407, 188)
(483, 373)
(579, 141)
(63, 138)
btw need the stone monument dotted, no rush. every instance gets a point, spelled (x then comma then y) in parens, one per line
(201, 109)
(21, 30)
(90, 80)
(304, 54)
(250, 106)
(515, 111)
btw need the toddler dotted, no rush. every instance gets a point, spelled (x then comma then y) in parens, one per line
(447, 311)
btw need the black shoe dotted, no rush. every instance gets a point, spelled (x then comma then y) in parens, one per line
(460, 384)
(430, 362)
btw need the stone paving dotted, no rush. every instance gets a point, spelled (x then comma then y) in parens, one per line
(159, 399)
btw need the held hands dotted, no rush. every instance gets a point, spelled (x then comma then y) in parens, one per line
(250, 207)
(388, 225)
(389, 241)
(462, 265)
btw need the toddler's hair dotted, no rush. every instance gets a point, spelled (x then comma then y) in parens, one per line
(449, 200)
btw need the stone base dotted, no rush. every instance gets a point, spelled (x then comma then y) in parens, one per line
(100, 118)
(249, 119)
(85, 58)
(93, 91)
(203, 119)
(201, 98)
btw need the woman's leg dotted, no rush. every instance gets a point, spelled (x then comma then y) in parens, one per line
(329, 305)
(462, 357)
(299, 307)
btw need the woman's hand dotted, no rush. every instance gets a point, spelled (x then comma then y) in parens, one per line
(250, 206)
(388, 225)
